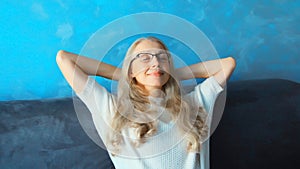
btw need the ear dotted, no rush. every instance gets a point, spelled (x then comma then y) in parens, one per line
(131, 74)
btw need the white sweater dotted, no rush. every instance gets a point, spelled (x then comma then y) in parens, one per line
(167, 148)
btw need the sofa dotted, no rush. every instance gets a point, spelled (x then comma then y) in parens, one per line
(259, 129)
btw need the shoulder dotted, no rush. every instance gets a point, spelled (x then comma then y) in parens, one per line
(93, 88)
(97, 98)
(206, 93)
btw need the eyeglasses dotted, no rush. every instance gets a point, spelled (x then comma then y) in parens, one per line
(146, 57)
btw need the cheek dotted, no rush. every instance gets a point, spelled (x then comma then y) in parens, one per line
(167, 68)
(137, 68)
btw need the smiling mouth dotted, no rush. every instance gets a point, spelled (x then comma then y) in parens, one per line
(157, 74)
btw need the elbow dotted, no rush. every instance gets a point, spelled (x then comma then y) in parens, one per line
(231, 62)
(60, 56)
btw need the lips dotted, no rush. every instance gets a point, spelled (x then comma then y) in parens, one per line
(156, 73)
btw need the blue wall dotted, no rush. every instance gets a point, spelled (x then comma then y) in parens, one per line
(263, 36)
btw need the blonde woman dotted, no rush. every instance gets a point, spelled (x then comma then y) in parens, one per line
(150, 123)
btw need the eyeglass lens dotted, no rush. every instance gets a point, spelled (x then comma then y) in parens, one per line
(147, 57)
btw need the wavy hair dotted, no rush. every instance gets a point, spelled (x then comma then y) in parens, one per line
(132, 108)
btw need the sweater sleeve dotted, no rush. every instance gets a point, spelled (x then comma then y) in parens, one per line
(207, 92)
(99, 102)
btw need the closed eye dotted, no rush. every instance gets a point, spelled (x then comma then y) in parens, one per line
(163, 56)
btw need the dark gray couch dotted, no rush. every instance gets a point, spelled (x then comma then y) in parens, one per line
(259, 129)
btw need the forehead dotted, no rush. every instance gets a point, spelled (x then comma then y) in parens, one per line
(147, 45)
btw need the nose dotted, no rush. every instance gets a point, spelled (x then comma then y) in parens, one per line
(154, 62)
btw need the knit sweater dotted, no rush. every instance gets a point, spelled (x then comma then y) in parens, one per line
(167, 148)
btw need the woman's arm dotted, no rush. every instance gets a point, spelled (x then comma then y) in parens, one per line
(221, 69)
(76, 69)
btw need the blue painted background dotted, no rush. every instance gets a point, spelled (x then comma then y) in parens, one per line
(262, 35)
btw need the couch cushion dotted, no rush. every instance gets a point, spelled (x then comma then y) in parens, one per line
(260, 126)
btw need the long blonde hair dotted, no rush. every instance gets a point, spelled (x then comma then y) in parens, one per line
(131, 103)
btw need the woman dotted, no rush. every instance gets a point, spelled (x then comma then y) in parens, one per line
(150, 123)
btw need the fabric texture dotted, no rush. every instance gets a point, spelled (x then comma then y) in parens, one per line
(167, 150)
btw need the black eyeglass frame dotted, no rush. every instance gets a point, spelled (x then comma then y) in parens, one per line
(152, 55)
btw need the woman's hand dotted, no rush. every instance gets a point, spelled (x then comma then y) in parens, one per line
(221, 69)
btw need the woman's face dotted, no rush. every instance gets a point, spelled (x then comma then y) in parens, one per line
(150, 72)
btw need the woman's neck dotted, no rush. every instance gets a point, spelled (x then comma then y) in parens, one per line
(156, 93)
